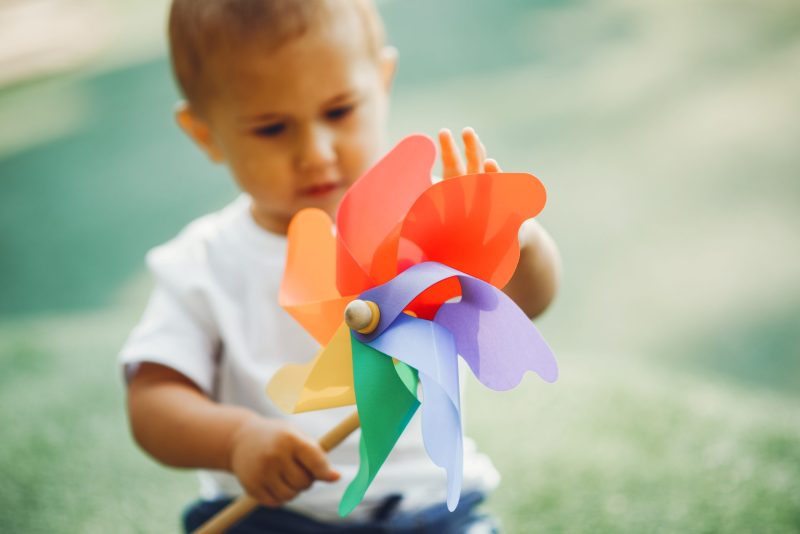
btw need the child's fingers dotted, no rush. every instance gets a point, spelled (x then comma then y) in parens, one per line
(313, 459)
(296, 476)
(451, 160)
(472, 151)
(281, 489)
(491, 165)
(263, 496)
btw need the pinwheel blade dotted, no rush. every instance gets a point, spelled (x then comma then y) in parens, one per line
(430, 349)
(495, 337)
(471, 222)
(369, 215)
(308, 289)
(394, 296)
(385, 406)
(325, 382)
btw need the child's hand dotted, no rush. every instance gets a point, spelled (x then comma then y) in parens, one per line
(477, 162)
(474, 151)
(274, 463)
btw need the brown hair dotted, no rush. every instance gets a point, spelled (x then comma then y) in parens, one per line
(198, 29)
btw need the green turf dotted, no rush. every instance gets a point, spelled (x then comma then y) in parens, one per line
(617, 447)
(68, 462)
(666, 135)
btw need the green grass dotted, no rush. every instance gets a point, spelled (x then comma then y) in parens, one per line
(666, 137)
(617, 447)
(68, 461)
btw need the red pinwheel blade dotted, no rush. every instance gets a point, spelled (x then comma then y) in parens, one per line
(471, 222)
(367, 223)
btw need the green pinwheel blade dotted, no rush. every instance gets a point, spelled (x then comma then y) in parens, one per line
(408, 375)
(386, 401)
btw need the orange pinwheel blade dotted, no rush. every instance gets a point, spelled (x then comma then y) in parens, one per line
(471, 222)
(369, 215)
(325, 382)
(308, 289)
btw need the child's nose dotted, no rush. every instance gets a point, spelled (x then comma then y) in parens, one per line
(316, 147)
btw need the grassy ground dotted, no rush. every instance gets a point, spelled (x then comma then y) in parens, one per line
(666, 136)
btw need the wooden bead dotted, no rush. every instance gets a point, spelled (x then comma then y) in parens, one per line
(362, 316)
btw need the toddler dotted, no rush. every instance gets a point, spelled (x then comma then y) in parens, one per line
(292, 96)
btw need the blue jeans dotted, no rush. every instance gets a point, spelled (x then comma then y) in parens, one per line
(435, 519)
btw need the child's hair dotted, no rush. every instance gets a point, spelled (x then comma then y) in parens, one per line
(199, 29)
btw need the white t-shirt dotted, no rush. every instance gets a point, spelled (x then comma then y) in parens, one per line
(214, 317)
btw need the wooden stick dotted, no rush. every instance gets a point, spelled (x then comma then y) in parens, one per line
(339, 433)
(238, 509)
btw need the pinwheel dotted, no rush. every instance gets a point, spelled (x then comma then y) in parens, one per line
(416, 268)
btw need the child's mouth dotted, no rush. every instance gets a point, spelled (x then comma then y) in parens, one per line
(320, 190)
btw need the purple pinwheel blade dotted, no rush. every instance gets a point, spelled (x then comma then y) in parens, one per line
(393, 296)
(492, 333)
(495, 337)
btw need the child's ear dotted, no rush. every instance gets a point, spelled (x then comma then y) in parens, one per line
(197, 129)
(388, 66)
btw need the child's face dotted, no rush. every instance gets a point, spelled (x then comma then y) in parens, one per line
(300, 124)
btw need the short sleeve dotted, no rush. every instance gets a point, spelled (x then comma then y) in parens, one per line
(177, 329)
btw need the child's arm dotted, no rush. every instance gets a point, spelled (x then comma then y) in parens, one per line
(535, 281)
(173, 420)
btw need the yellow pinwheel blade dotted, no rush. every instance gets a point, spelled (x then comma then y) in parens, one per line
(325, 382)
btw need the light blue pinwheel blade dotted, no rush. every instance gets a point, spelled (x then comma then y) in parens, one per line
(488, 329)
(430, 349)
(386, 402)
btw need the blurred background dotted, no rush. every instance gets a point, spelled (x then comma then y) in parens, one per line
(668, 136)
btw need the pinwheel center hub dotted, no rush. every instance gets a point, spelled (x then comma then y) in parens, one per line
(362, 316)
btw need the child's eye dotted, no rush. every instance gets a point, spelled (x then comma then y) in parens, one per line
(271, 130)
(339, 112)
